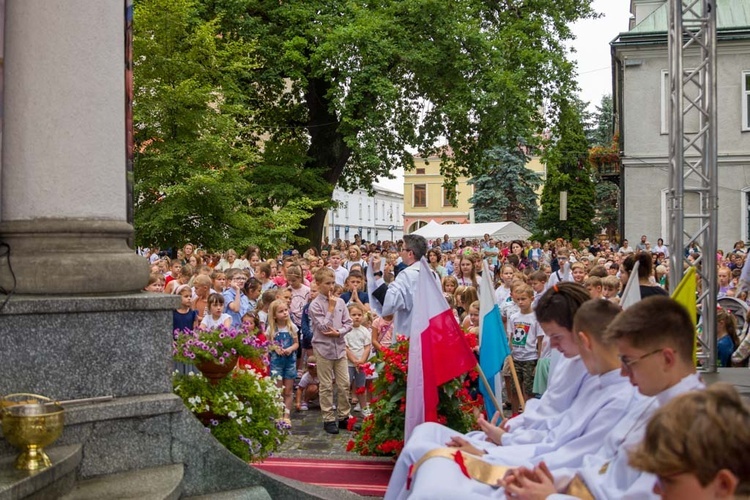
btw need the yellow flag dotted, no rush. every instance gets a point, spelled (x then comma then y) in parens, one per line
(685, 295)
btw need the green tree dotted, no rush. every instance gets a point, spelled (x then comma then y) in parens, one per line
(194, 163)
(568, 170)
(504, 190)
(603, 126)
(344, 88)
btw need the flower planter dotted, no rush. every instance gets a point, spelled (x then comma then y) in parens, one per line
(215, 372)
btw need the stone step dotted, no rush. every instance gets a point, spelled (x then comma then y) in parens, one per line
(48, 483)
(155, 483)
(251, 493)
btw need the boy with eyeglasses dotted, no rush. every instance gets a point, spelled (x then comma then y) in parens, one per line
(655, 339)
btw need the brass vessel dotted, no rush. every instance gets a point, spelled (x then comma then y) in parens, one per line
(30, 423)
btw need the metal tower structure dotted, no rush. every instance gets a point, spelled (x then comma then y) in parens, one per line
(693, 172)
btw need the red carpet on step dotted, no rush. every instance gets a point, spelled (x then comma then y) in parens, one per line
(368, 478)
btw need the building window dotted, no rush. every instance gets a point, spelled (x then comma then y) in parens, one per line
(360, 209)
(368, 211)
(450, 197)
(420, 171)
(420, 195)
(375, 211)
(746, 100)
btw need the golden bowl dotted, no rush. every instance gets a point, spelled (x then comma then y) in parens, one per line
(30, 423)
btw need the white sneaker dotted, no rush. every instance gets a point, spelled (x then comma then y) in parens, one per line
(366, 412)
(357, 408)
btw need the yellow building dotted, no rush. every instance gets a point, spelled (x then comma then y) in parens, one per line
(426, 199)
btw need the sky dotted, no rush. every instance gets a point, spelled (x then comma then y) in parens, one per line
(592, 54)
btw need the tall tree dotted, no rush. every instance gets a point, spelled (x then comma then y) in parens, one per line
(505, 190)
(193, 161)
(568, 170)
(343, 88)
(603, 126)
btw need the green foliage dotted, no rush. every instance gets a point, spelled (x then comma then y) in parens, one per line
(242, 411)
(504, 190)
(196, 155)
(603, 127)
(568, 170)
(342, 89)
(607, 207)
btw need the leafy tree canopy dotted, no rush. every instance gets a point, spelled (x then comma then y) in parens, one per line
(505, 190)
(568, 170)
(342, 89)
(195, 156)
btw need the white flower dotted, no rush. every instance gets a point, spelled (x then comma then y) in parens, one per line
(232, 414)
(249, 410)
(191, 374)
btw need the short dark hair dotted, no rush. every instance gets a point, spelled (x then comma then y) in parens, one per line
(417, 244)
(654, 322)
(594, 316)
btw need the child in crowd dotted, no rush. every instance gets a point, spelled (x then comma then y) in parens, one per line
(594, 286)
(175, 267)
(353, 293)
(216, 316)
(468, 296)
(184, 318)
(449, 285)
(358, 346)
(299, 296)
(698, 446)
(502, 292)
(578, 272)
(219, 281)
(268, 297)
(382, 333)
(726, 335)
(201, 291)
(183, 278)
(339, 271)
(252, 290)
(236, 302)
(471, 321)
(306, 332)
(510, 306)
(467, 273)
(251, 324)
(538, 283)
(155, 283)
(338, 290)
(526, 343)
(457, 297)
(265, 275)
(307, 389)
(610, 289)
(330, 323)
(282, 334)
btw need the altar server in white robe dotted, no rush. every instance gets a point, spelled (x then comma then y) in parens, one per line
(580, 430)
(714, 463)
(555, 312)
(655, 340)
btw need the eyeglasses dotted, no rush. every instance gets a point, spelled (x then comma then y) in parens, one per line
(628, 363)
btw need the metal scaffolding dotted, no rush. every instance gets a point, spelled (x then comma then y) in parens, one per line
(693, 174)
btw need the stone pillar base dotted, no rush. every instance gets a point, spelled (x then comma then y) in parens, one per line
(71, 257)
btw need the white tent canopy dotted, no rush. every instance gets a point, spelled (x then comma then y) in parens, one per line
(497, 230)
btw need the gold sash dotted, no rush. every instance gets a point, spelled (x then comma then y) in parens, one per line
(491, 475)
(475, 467)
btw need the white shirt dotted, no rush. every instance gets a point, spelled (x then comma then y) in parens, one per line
(619, 480)
(524, 331)
(357, 340)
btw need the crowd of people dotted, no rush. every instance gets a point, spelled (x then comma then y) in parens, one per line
(329, 312)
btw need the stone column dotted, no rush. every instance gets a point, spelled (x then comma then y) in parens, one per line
(63, 179)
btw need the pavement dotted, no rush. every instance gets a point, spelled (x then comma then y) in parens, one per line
(309, 440)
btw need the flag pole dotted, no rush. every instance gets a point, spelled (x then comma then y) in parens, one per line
(515, 382)
(489, 391)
